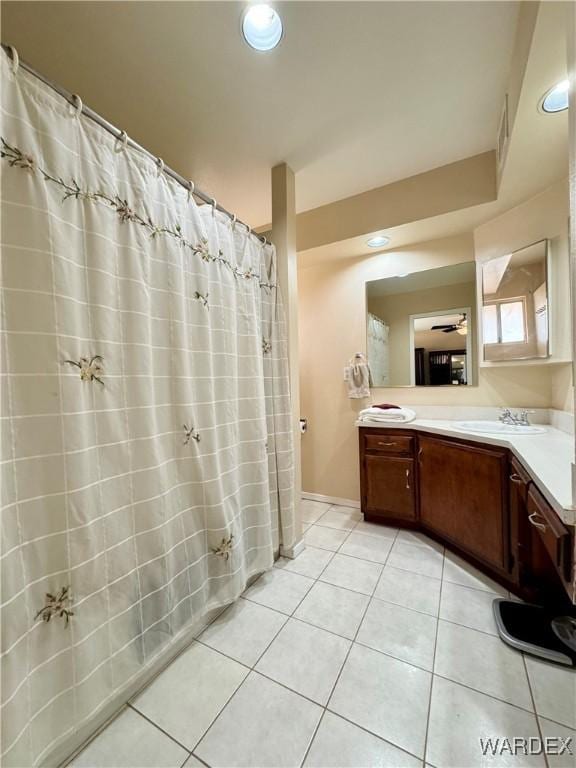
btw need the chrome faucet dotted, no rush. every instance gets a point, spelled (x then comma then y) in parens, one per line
(516, 419)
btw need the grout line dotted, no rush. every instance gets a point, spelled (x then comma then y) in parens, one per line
(534, 706)
(199, 760)
(158, 727)
(433, 663)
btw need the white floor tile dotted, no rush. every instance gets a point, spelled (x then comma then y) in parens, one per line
(366, 547)
(324, 538)
(342, 518)
(460, 717)
(340, 743)
(311, 562)
(279, 589)
(470, 607)
(554, 690)
(385, 696)
(244, 631)
(186, 697)
(263, 725)
(419, 540)
(411, 590)
(400, 632)
(310, 510)
(306, 659)
(130, 741)
(352, 573)
(483, 662)
(458, 571)
(562, 758)
(193, 762)
(332, 608)
(376, 529)
(416, 558)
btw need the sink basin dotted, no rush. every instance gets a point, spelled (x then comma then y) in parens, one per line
(498, 428)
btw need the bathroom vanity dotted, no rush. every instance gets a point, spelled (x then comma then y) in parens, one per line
(503, 503)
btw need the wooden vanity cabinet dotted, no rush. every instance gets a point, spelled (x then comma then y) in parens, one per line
(476, 498)
(387, 476)
(464, 498)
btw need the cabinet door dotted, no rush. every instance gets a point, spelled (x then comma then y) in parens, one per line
(389, 487)
(463, 498)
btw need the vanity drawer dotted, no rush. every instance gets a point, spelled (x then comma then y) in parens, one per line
(554, 536)
(394, 444)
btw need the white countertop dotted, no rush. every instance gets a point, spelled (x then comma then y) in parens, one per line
(548, 457)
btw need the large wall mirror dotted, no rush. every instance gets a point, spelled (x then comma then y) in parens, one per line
(515, 304)
(420, 328)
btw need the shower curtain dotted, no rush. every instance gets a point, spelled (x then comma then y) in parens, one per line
(146, 443)
(378, 352)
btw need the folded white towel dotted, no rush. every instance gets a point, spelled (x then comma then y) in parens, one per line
(390, 414)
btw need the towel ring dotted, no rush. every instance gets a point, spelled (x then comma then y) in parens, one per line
(123, 139)
(77, 103)
(160, 167)
(15, 59)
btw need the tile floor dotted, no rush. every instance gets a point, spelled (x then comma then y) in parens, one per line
(373, 648)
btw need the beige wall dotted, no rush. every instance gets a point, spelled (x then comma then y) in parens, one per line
(332, 317)
(395, 310)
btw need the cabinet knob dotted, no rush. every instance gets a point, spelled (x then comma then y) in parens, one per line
(541, 526)
(516, 478)
(407, 479)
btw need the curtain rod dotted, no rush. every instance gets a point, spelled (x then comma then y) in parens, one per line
(103, 123)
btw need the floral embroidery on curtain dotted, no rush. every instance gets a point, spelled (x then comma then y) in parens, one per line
(148, 438)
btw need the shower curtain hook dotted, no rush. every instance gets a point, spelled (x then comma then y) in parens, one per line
(15, 59)
(233, 221)
(190, 190)
(123, 138)
(160, 164)
(214, 206)
(264, 241)
(77, 105)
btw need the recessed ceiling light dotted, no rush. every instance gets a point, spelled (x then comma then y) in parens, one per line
(378, 242)
(556, 99)
(262, 27)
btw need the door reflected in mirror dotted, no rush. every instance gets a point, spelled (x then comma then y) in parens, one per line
(515, 304)
(420, 328)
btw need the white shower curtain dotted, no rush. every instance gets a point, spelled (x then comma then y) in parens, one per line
(378, 350)
(146, 442)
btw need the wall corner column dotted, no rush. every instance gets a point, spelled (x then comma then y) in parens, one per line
(284, 239)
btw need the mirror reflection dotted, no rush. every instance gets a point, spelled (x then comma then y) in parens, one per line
(420, 327)
(515, 304)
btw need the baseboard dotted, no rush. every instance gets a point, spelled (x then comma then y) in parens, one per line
(294, 551)
(331, 499)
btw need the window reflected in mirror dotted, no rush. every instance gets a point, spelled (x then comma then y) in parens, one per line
(515, 305)
(420, 328)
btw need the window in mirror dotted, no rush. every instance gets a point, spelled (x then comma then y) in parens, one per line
(420, 327)
(515, 305)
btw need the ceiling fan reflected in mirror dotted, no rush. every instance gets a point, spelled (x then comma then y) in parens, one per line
(460, 327)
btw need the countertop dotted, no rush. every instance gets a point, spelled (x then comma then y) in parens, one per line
(548, 456)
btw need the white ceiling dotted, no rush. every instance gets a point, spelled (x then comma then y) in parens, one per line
(357, 95)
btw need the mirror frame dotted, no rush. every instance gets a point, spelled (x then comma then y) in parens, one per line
(480, 305)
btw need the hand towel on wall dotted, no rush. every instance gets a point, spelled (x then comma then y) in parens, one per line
(359, 378)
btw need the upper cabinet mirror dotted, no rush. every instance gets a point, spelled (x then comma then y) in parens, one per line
(421, 328)
(515, 304)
